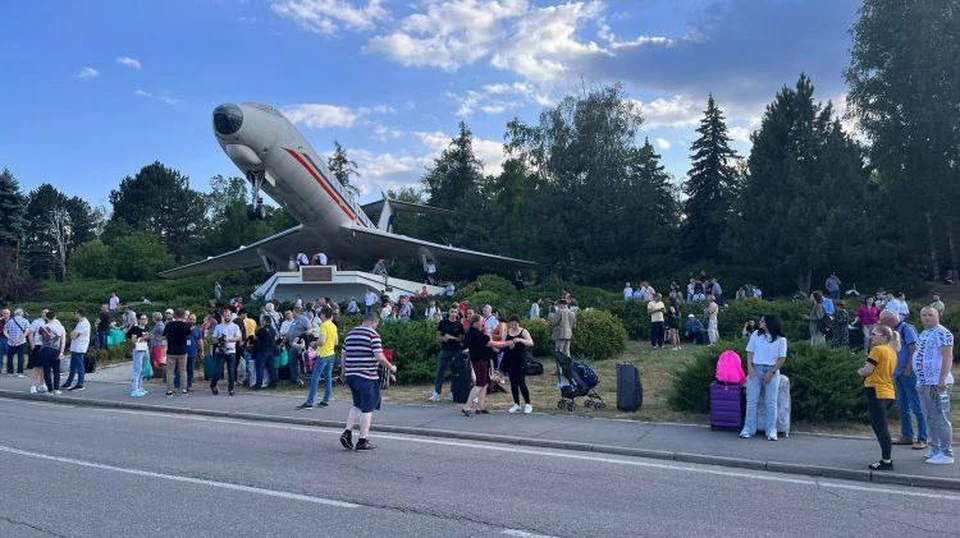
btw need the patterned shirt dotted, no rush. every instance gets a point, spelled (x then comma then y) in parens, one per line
(927, 362)
(360, 350)
(16, 329)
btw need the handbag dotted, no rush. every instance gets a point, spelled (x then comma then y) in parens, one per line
(284, 357)
(211, 366)
(147, 370)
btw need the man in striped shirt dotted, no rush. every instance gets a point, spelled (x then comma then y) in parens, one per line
(362, 353)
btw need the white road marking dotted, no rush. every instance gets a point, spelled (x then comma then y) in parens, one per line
(765, 476)
(525, 534)
(199, 481)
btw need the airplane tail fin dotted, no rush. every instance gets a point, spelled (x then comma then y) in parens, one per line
(387, 207)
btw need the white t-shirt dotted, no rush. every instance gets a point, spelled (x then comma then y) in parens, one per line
(82, 341)
(228, 330)
(386, 312)
(34, 330)
(114, 302)
(322, 258)
(764, 351)
(656, 309)
(369, 298)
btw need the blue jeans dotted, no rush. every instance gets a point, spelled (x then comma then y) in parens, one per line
(322, 367)
(11, 351)
(446, 358)
(102, 339)
(754, 386)
(265, 362)
(908, 401)
(136, 379)
(76, 367)
(191, 364)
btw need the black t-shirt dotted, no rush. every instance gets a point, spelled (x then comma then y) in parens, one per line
(476, 342)
(176, 332)
(266, 339)
(135, 332)
(104, 324)
(452, 328)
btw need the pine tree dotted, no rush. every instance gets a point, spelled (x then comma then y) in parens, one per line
(456, 182)
(12, 206)
(710, 180)
(343, 168)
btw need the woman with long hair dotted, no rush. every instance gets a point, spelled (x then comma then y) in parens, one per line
(877, 374)
(710, 312)
(517, 341)
(673, 323)
(840, 335)
(815, 319)
(766, 353)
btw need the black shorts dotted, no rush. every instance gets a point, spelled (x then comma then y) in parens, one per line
(34, 360)
(365, 392)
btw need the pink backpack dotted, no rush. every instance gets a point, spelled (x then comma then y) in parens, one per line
(730, 368)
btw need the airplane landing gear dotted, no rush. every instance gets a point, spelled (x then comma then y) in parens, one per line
(256, 210)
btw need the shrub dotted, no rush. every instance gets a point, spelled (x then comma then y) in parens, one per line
(92, 260)
(598, 336)
(480, 298)
(112, 354)
(540, 331)
(824, 384)
(140, 256)
(416, 348)
(731, 319)
(633, 315)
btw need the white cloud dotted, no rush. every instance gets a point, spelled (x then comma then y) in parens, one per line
(127, 61)
(328, 16)
(88, 73)
(163, 97)
(677, 111)
(320, 116)
(614, 43)
(663, 143)
(739, 133)
(383, 133)
(498, 98)
(376, 109)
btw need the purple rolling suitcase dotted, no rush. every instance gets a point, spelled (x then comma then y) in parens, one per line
(727, 405)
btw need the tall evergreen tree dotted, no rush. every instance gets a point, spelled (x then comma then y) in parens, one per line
(56, 225)
(805, 192)
(905, 93)
(12, 207)
(711, 179)
(343, 168)
(455, 181)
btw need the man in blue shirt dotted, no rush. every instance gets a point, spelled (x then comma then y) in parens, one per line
(905, 383)
(828, 307)
(693, 330)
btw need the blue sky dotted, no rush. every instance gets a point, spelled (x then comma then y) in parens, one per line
(92, 91)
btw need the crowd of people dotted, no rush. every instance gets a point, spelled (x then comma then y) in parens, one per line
(703, 294)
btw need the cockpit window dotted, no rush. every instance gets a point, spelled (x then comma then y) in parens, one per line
(227, 119)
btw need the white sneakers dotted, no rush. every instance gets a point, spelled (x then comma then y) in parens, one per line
(435, 397)
(939, 459)
(513, 409)
(33, 389)
(527, 409)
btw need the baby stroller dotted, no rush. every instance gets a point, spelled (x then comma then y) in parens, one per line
(576, 379)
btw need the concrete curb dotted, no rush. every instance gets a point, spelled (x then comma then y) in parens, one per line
(685, 457)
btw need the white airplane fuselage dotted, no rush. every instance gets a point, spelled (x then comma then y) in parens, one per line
(260, 140)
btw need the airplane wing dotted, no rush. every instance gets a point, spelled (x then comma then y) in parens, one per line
(395, 245)
(278, 246)
(374, 208)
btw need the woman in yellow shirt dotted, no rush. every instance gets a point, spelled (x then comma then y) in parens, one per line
(877, 374)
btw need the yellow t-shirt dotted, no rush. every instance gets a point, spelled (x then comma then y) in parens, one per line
(655, 316)
(329, 332)
(884, 359)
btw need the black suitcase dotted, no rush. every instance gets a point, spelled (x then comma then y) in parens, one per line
(629, 390)
(461, 381)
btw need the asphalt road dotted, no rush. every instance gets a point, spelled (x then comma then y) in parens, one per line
(72, 471)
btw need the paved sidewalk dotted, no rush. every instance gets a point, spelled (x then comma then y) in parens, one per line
(843, 457)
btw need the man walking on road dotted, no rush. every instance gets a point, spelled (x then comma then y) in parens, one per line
(932, 363)
(323, 367)
(177, 333)
(905, 383)
(15, 330)
(79, 343)
(362, 354)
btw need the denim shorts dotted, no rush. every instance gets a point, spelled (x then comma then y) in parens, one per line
(366, 393)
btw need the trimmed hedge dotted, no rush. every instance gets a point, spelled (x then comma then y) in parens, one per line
(599, 335)
(824, 384)
(540, 331)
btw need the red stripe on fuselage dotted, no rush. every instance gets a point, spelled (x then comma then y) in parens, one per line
(323, 183)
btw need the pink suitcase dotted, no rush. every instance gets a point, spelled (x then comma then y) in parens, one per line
(727, 405)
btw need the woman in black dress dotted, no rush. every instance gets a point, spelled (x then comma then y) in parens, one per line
(518, 341)
(673, 324)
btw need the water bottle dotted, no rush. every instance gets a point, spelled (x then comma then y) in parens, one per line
(945, 399)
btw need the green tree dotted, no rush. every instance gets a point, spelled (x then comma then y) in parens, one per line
(92, 259)
(141, 255)
(905, 92)
(712, 177)
(159, 200)
(229, 225)
(343, 168)
(805, 191)
(56, 225)
(12, 205)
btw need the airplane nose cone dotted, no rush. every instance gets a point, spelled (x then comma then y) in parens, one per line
(227, 119)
